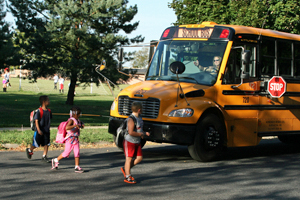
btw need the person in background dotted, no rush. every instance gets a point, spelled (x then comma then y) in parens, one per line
(211, 69)
(55, 78)
(5, 80)
(61, 84)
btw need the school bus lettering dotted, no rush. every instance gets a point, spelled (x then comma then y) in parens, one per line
(210, 86)
(194, 33)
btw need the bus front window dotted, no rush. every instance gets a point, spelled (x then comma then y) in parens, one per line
(201, 59)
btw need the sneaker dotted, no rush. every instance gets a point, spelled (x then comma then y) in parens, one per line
(123, 171)
(79, 170)
(45, 159)
(29, 154)
(54, 164)
(130, 180)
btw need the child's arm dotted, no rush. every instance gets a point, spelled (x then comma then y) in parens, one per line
(70, 125)
(131, 131)
(81, 124)
(38, 127)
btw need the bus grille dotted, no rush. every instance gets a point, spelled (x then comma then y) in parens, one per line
(150, 106)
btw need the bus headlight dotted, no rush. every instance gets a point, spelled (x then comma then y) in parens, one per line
(184, 112)
(113, 105)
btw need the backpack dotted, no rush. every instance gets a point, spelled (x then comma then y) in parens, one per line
(122, 132)
(62, 132)
(32, 115)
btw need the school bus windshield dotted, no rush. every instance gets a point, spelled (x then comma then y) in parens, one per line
(202, 60)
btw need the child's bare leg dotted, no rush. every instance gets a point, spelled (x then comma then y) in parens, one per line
(127, 165)
(60, 157)
(135, 161)
(45, 150)
(32, 147)
(76, 161)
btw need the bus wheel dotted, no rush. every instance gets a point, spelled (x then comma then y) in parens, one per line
(209, 139)
(289, 139)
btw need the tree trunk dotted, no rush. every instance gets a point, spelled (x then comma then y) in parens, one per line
(70, 99)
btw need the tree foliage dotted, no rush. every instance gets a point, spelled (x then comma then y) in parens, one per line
(71, 36)
(6, 45)
(282, 15)
(140, 58)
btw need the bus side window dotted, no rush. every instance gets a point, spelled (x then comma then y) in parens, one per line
(233, 68)
(252, 66)
(284, 55)
(297, 60)
(268, 57)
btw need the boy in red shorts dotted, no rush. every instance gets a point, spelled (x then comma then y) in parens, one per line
(132, 142)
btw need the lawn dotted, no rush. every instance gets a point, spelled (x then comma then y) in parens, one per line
(15, 105)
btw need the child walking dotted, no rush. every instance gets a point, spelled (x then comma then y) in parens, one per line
(61, 84)
(41, 136)
(72, 142)
(132, 142)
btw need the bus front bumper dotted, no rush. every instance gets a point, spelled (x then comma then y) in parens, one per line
(182, 134)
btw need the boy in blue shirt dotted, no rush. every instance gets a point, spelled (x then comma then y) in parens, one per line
(41, 135)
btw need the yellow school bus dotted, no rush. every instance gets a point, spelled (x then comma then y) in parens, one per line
(189, 100)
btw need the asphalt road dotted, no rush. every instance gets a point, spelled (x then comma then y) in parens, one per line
(267, 171)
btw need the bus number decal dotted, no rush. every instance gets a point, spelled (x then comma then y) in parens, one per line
(245, 99)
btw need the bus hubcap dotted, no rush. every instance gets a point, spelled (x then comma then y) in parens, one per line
(213, 138)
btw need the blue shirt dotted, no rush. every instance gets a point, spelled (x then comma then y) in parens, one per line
(44, 123)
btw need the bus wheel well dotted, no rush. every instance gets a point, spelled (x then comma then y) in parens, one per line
(212, 111)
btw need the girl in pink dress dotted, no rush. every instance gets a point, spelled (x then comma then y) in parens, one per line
(72, 142)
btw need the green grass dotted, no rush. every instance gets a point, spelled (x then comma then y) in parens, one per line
(25, 137)
(15, 106)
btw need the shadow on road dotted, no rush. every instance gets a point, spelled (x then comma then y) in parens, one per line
(268, 147)
(269, 170)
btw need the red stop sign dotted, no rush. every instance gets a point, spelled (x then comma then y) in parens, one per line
(276, 86)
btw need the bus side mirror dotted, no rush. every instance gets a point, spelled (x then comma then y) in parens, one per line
(245, 75)
(120, 58)
(246, 57)
(246, 54)
(177, 67)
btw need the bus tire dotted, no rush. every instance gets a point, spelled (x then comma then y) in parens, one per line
(143, 142)
(209, 139)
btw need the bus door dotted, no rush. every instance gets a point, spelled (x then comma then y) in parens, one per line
(240, 100)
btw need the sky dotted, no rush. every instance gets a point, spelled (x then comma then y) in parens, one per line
(154, 17)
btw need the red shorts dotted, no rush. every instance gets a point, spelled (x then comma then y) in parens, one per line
(132, 149)
(61, 86)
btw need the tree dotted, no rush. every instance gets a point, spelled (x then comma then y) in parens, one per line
(71, 36)
(140, 58)
(6, 45)
(196, 11)
(270, 14)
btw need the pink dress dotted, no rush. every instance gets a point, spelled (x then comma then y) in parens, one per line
(72, 142)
